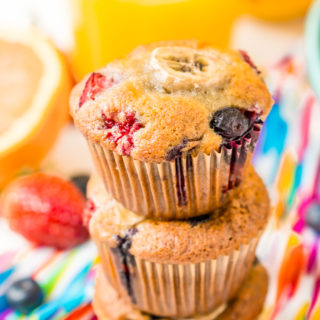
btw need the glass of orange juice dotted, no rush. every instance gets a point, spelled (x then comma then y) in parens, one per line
(276, 10)
(108, 29)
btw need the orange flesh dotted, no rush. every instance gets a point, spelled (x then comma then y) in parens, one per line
(21, 70)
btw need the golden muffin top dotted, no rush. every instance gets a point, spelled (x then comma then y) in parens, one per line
(169, 97)
(242, 218)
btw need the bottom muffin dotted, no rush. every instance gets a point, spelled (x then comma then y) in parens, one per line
(246, 305)
(179, 268)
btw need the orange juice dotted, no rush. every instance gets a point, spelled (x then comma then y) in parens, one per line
(109, 29)
(276, 10)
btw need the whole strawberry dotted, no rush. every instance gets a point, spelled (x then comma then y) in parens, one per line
(45, 209)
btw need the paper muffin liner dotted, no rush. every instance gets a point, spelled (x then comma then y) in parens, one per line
(106, 307)
(186, 187)
(177, 290)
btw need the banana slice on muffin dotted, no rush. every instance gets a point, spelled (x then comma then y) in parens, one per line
(181, 68)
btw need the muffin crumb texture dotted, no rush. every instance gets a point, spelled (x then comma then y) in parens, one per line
(171, 97)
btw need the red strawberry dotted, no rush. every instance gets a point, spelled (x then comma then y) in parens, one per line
(45, 209)
(95, 83)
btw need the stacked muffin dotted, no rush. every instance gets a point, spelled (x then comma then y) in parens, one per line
(177, 209)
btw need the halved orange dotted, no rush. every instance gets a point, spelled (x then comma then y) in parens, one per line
(34, 93)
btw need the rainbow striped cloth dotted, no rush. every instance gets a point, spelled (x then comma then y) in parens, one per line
(288, 159)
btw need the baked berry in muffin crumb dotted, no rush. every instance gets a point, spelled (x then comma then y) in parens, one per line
(169, 97)
(95, 83)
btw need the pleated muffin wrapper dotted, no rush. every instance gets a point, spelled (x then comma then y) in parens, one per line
(188, 186)
(246, 305)
(108, 304)
(176, 290)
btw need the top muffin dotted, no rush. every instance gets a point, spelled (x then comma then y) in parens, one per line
(169, 97)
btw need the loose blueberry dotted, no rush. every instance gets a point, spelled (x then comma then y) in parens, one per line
(230, 123)
(313, 216)
(81, 182)
(24, 295)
